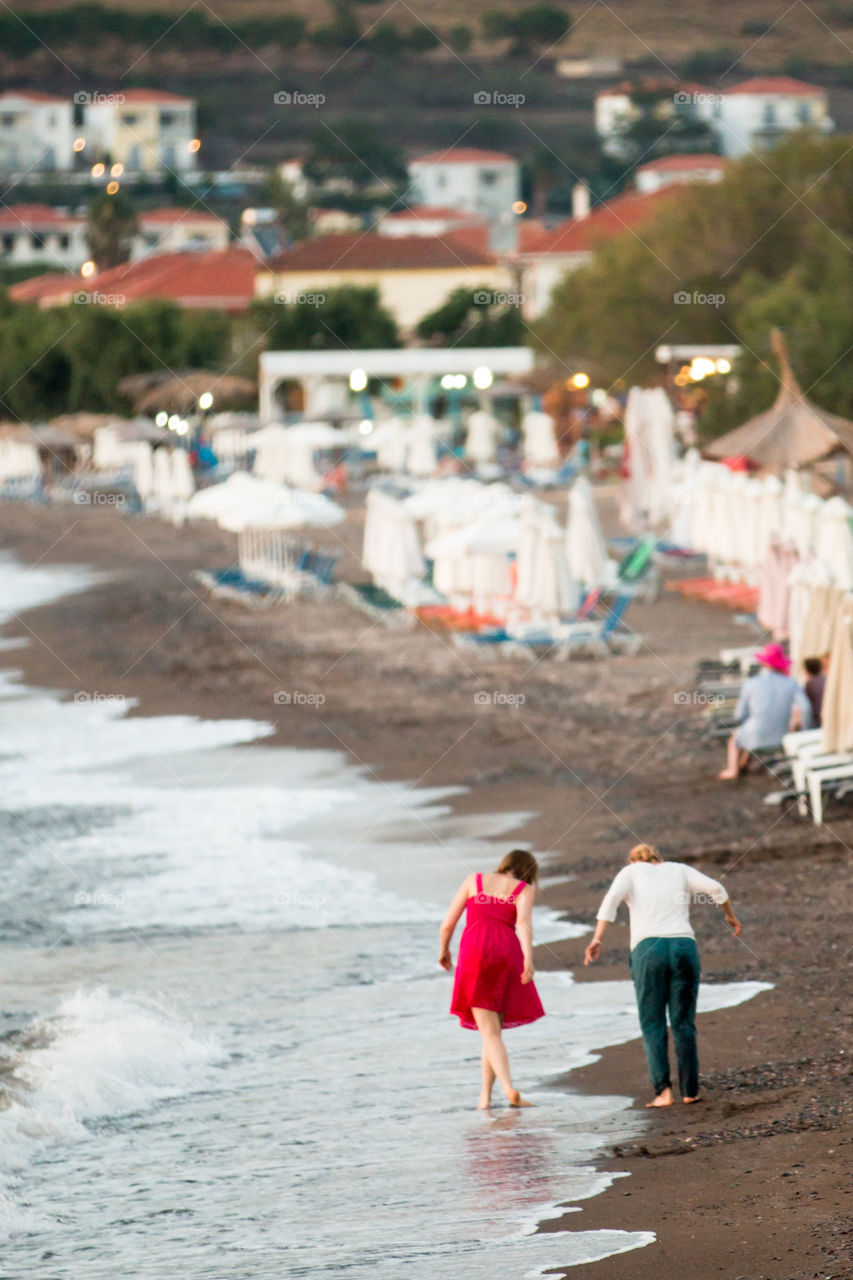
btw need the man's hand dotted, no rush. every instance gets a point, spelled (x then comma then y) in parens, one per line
(734, 924)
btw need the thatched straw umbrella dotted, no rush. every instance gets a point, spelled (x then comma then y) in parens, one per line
(180, 392)
(792, 433)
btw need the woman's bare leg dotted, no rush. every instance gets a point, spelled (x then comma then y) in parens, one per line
(488, 1081)
(734, 757)
(489, 1025)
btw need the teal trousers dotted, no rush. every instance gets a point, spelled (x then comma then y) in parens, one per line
(666, 978)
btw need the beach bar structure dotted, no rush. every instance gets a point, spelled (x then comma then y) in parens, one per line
(327, 377)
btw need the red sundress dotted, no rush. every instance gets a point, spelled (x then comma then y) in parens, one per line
(490, 963)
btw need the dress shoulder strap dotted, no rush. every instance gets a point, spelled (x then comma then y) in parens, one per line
(519, 888)
(480, 883)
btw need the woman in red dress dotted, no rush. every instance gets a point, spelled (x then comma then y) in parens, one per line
(494, 977)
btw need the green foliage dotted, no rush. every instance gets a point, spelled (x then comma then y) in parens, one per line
(536, 26)
(769, 244)
(110, 231)
(460, 38)
(70, 358)
(350, 317)
(357, 156)
(468, 318)
(343, 31)
(756, 27)
(277, 194)
(710, 62)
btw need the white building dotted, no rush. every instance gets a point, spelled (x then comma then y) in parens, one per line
(36, 131)
(37, 234)
(292, 172)
(756, 115)
(426, 221)
(468, 179)
(682, 168)
(179, 231)
(144, 129)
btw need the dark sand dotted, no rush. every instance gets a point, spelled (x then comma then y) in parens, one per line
(755, 1182)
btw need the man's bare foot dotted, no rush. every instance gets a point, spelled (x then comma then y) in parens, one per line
(515, 1100)
(689, 1101)
(727, 776)
(663, 1099)
(485, 1102)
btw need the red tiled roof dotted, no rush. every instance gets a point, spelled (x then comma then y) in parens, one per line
(626, 88)
(372, 252)
(177, 215)
(431, 213)
(775, 84)
(33, 95)
(49, 283)
(580, 235)
(674, 164)
(464, 155)
(35, 215)
(223, 279)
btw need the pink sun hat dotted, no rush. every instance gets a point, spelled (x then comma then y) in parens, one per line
(775, 657)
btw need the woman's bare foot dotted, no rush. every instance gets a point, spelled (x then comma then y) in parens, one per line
(689, 1101)
(663, 1099)
(727, 776)
(515, 1100)
(485, 1102)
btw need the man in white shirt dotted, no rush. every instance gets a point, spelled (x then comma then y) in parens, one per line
(664, 958)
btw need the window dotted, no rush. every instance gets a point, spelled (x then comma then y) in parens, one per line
(168, 118)
(488, 177)
(769, 113)
(36, 240)
(64, 240)
(8, 122)
(7, 243)
(441, 180)
(804, 112)
(129, 120)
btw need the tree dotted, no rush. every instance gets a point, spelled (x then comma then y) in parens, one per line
(110, 231)
(473, 318)
(460, 38)
(537, 26)
(343, 31)
(355, 156)
(350, 316)
(293, 214)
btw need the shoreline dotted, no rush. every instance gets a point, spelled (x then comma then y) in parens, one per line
(581, 752)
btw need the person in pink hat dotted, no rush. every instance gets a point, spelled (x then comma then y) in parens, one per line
(770, 704)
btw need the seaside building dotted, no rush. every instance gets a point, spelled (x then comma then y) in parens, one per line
(145, 130)
(38, 234)
(423, 220)
(487, 183)
(36, 131)
(414, 274)
(682, 168)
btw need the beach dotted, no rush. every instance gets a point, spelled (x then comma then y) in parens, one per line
(586, 758)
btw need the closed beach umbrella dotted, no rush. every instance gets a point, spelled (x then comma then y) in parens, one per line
(162, 475)
(585, 547)
(143, 471)
(834, 543)
(837, 710)
(553, 591)
(484, 432)
(421, 455)
(183, 481)
(540, 440)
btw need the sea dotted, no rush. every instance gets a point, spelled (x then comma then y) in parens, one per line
(225, 1049)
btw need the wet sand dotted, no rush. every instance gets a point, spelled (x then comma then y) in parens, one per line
(604, 754)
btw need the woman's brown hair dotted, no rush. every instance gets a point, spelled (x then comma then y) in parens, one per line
(521, 864)
(644, 853)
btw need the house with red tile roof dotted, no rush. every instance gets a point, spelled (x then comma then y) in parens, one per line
(758, 113)
(174, 230)
(221, 281)
(36, 131)
(39, 234)
(414, 274)
(690, 167)
(146, 130)
(467, 179)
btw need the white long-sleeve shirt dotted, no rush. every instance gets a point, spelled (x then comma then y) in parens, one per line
(658, 895)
